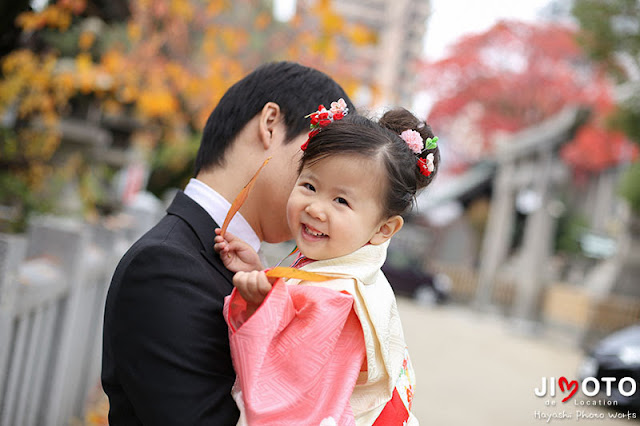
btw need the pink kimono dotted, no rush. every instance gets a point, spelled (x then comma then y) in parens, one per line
(329, 353)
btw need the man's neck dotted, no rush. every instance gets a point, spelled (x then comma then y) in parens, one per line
(229, 182)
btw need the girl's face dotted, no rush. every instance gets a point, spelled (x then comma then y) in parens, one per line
(335, 206)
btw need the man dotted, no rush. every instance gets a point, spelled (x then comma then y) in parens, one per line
(166, 357)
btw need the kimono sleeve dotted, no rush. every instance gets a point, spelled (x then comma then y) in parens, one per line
(298, 357)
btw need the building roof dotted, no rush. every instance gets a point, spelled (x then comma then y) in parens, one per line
(448, 188)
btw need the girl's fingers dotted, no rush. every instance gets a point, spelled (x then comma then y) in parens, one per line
(236, 245)
(260, 286)
(245, 283)
(253, 286)
(227, 236)
(239, 281)
(221, 247)
(263, 285)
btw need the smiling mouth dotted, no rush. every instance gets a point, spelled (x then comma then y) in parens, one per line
(313, 232)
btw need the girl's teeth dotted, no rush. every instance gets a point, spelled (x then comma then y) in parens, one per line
(315, 234)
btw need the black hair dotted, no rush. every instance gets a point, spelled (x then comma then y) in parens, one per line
(297, 89)
(358, 135)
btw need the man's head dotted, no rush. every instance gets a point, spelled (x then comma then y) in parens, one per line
(296, 89)
(263, 115)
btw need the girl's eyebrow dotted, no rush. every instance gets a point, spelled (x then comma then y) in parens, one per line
(307, 174)
(347, 191)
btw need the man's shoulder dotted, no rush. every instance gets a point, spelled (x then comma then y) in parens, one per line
(171, 232)
(170, 248)
(169, 236)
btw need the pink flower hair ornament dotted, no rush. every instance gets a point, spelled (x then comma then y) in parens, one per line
(323, 117)
(413, 140)
(416, 144)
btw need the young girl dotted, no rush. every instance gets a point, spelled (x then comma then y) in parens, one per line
(332, 352)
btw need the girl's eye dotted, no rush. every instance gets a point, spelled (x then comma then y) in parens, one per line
(309, 187)
(341, 200)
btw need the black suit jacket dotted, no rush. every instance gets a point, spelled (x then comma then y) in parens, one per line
(166, 358)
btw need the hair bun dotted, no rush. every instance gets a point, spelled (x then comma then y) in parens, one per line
(398, 120)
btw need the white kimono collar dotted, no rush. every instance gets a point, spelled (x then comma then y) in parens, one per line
(363, 264)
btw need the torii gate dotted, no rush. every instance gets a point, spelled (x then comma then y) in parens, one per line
(527, 160)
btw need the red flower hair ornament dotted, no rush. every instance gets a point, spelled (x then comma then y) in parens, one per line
(426, 165)
(323, 117)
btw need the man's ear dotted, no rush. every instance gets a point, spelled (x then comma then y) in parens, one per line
(270, 116)
(387, 230)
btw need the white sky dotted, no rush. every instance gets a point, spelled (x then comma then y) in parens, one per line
(451, 19)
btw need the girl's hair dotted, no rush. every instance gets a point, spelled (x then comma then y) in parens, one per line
(358, 135)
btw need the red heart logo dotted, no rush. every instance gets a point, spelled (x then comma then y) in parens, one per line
(570, 385)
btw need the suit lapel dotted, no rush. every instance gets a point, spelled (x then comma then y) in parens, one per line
(202, 225)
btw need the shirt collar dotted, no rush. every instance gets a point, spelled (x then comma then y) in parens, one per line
(218, 207)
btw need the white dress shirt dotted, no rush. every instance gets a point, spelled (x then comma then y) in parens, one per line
(218, 207)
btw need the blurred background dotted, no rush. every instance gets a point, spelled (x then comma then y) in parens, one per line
(514, 266)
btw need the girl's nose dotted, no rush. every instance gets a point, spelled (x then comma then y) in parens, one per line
(315, 211)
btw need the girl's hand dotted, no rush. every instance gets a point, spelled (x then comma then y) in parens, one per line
(253, 286)
(236, 254)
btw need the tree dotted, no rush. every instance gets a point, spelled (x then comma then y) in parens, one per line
(610, 29)
(156, 74)
(512, 76)
(610, 33)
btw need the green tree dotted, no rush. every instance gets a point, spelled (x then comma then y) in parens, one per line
(610, 34)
